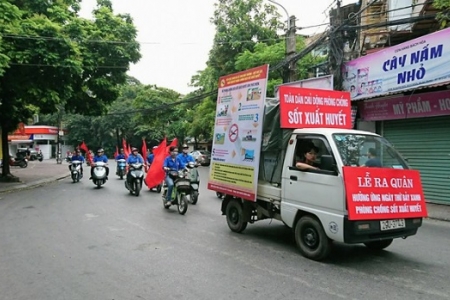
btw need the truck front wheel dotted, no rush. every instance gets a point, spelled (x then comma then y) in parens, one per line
(235, 216)
(311, 239)
(379, 245)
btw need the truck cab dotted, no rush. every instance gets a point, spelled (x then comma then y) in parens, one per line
(313, 201)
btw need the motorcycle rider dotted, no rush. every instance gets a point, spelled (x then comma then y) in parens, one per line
(151, 156)
(133, 158)
(185, 156)
(100, 156)
(77, 156)
(121, 155)
(171, 163)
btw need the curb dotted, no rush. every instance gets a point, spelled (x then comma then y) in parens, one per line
(33, 184)
(443, 219)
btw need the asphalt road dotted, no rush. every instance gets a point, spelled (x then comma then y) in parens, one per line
(73, 241)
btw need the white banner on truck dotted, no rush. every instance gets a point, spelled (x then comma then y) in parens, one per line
(237, 133)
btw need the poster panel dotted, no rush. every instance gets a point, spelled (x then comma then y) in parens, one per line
(237, 133)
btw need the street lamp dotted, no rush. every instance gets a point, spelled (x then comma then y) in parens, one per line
(291, 43)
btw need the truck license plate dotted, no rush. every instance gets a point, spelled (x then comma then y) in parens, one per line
(392, 224)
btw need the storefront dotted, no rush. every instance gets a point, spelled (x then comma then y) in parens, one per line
(38, 137)
(419, 127)
(403, 93)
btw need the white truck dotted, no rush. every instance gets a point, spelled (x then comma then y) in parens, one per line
(313, 202)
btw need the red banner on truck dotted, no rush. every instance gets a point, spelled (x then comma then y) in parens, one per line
(306, 108)
(380, 193)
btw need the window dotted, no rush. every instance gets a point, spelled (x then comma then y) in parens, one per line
(317, 149)
(367, 150)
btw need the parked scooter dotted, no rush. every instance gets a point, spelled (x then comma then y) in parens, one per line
(99, 174)
(181, 188)
(195, 182)
(18, 162)
(75, 170)
(137, 177)
(121, 168)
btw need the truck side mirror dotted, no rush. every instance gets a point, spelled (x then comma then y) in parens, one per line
(328, 163)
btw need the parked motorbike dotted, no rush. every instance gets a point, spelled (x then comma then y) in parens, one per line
(181, 188)
(18, 162)
(121, 168)
(194, 178)
(75, 170)
(40, 157)
(137, 177)
(69, 158)
(99, 174)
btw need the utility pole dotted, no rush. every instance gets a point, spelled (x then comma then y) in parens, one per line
(291, 45)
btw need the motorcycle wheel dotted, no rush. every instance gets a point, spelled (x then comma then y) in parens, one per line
(99, 183)
(121, 176)
(158, 189)
(40, 159)
(23, 164)
(182, 204)
(74, 178)
(194, 197)
(137, 187)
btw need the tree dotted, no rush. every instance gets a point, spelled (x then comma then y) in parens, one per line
(272, 54)
(52, 58)
(444, 15)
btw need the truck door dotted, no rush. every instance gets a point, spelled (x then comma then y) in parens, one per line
(319, 191)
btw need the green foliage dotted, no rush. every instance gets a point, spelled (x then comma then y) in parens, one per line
(444, 15)
(52, 58)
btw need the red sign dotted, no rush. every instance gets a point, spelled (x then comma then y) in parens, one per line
(407, 107)
(380, 193)
(306, 108)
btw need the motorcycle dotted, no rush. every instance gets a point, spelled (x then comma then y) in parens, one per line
(195, 182)
(40, 157)
(137, 176)
(181, 187)
(99, 174)
(75, 170)
(121, 168)
(18, 162)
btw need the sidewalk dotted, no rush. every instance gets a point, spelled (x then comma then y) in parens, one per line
(35, 174)
(39, 173)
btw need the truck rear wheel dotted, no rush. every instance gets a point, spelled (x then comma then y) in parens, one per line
(379, 245)
(311, 238)
(235, 216)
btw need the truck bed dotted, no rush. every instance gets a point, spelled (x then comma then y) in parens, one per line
(268, 192)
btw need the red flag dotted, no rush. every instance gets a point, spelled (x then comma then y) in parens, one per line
(84, 147)
(156, 174)
(129, 149)
(174, 143)
(125, 149)
(144, 153)
(116, 153)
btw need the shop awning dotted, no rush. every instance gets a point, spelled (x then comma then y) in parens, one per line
(403, 91)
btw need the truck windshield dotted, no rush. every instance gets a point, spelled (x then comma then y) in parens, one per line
(367, 150)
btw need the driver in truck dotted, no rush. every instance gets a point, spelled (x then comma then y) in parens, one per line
(308, 158)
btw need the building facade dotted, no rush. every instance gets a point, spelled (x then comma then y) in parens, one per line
(401, 86)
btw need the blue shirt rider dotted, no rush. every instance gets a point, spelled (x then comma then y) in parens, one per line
(100, 157)
(77, 156)
(121, 155)
(133, 158)
(171, 163)
(151, 156)
(185, 157)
